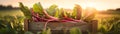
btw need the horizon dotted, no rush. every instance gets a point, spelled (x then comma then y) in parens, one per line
(98, 4)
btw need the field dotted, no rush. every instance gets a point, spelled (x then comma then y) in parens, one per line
(11, 12)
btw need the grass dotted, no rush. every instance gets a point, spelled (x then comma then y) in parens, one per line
(11, 12)
(106, 16)
(107, 21)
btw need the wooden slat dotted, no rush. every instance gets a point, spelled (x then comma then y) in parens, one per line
(38, 26)
(26, 25)
(94, 26)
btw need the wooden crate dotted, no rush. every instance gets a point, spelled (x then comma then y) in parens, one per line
(59, 28)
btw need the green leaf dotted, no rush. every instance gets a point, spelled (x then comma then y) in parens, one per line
(102, 29)
(61, 12)
(68, 15)
(37, 7)
(75, 31)
(52, 9)
(28, 32)
(77, 12)
(46, 31)
(74, 13)
(11, 25)
(57, 13)
(25, 10)
(64, 12)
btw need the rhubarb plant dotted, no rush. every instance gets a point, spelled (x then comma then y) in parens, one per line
(38, 13)
(25, 10)
(53, 14)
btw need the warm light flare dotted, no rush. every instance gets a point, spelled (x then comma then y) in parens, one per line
(88, 4)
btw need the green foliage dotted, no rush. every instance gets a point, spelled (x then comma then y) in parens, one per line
(110, 25)
(25, 10)
(37, 7)
(115, 29)
(11, 25)
(75, 31)
(68, 15)
(77, 12)
(62, 13)
(74, 13)
(53, 10)
(28, 32)
(46, 31)
(57, 13)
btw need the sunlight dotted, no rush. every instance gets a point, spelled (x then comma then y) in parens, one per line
(87, 4)
(91, 4)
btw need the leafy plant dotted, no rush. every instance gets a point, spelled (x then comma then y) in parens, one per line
(37, 8)
(57, 13)
(27, 32)
(110, 25)
(75, 31)
(38, 14)
(52, 9)
(78, 11)
(54, 14)
(11, 25)
(25, 10)
(115, 29)
(46, 31)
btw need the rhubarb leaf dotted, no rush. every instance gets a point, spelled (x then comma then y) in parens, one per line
(77, 12)
(25, 10)
(57, 13)
(74, 13)
(52, 9)
(37, 7)
(63, 13)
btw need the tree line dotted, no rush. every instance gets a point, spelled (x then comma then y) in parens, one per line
(117, 9)
(3, 7)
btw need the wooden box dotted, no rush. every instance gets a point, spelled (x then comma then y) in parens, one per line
(59, 28)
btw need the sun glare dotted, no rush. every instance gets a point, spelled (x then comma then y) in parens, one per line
(88, 4)
(71, 5)
(91, 4)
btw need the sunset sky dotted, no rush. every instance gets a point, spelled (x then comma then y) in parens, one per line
(98, 4)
